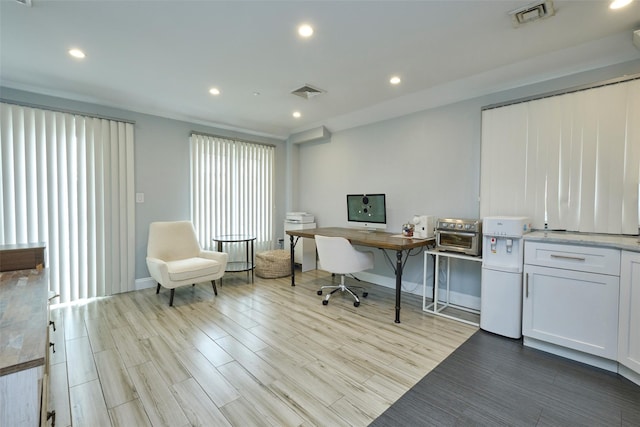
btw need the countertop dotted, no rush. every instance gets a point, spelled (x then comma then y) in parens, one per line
(613, 241)
(23, 319)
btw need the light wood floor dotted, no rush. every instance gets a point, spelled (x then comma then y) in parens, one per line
(262, 354)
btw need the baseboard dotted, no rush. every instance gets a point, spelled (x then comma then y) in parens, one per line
(390, 282)
(629, 374)
(456, 298)
(578, 356)
(144, 283)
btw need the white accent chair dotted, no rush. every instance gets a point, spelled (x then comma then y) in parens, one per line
(175, 258)
(338, 256)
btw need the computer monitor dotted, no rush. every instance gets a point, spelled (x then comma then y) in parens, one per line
(367, 211)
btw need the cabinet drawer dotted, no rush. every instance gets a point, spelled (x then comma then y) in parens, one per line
(572, 257)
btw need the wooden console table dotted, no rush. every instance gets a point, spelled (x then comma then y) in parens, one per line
(24, 347)
(21, 256)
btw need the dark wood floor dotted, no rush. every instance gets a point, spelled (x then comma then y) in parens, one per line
(491, 380)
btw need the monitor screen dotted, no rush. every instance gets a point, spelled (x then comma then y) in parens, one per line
(367, 210)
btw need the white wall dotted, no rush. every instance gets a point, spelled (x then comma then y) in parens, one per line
(161, 164)
(426, 163)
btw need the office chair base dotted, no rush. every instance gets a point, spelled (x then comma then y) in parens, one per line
(342, 288)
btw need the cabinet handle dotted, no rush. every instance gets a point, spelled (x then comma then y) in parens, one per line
(526, 285)
(573, 258)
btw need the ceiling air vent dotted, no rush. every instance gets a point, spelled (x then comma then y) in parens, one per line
(25, 2)
(307, 91)
(532, 12)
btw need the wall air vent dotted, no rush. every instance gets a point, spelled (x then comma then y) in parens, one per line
(532, 12)
(307, 91)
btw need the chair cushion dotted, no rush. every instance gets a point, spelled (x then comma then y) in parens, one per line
(191, 268)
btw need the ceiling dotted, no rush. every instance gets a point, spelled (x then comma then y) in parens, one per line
(161, 57)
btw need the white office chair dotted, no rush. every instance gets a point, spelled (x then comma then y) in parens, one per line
(338, 256)
(174, 257)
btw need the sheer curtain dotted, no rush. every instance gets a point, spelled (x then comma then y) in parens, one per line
(67, 180)
(232, 190)
(571, 161)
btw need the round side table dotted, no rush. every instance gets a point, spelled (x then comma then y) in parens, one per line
(248, 264)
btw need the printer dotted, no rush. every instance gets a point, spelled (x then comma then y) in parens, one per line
(299, 217)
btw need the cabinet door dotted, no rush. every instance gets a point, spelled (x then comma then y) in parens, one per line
(629, 327)
(572, 309)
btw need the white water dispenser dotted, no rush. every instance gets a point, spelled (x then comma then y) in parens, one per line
(502, 265)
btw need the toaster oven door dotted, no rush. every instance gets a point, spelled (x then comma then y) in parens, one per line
(458, 241)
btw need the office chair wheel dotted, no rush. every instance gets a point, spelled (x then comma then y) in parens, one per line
(364, 294)
(319, 292)
(325, 302)
(357, 303)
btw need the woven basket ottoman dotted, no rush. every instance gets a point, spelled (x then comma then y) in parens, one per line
(273, 264)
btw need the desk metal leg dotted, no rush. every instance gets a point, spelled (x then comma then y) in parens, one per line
(398, 283)
(293, 265)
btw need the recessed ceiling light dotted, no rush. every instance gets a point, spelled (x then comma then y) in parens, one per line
(297, 114)
(77, 53)
(214, 91)
(395, 80)
(305, 30)
(617, 4)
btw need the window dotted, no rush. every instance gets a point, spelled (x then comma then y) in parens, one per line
(67, 180)
(232, 190)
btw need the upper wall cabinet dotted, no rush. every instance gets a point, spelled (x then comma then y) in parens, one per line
(571, 161)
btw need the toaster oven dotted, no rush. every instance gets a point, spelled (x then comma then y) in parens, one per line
(459, 235)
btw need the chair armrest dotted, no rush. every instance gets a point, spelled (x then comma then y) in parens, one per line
(158, 270)
(221, 257)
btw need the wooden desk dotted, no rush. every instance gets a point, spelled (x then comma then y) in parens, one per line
(375, 239)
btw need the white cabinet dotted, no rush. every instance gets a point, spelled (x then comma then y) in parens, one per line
(629, 327)
(570, 300)
(305, 251)
(571, 309)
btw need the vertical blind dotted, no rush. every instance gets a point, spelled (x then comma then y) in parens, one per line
(232, 190)
(67, 180)
(570, 161)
